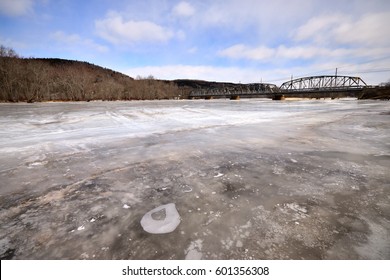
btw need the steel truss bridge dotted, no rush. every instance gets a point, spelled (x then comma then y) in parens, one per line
(234, 92)
(310, 87)
(320, 83)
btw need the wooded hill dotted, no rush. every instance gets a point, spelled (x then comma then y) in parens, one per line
(36, 79)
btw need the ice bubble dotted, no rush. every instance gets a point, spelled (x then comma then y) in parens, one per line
(163, 219)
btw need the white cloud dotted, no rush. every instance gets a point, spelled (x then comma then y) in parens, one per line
(325, 37)
(264, 53)
(184, 9)
(201, 72)
(369, 30)
(262, 15)
(316, 28)
(75, 42)
(116, 30)
(15, 7)
(240, 51)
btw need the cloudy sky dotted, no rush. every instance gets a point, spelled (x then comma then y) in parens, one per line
(220, 40)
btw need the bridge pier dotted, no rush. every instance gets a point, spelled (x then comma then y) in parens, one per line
(278, 97)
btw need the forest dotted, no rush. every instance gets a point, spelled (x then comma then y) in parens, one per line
(53, 79)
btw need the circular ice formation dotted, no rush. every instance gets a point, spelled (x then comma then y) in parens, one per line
(163, 219)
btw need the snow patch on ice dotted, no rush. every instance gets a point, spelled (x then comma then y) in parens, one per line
(297, 211)
(160, 220)
(218, 175)
(194, 250)
(186, 189)
(296, 207)
(37, 163)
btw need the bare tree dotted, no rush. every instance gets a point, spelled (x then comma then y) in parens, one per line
(34, 80)
(7, 52)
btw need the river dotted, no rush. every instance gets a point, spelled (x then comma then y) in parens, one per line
(247, 179)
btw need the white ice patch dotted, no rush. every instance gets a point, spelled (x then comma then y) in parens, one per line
(37, 163)
(186, 189)
(163, 219)
(125, 206)
(296, 207)
(218, 175)
(194, 251)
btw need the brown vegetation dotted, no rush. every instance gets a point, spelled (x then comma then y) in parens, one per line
(379, 92)
(34, 80)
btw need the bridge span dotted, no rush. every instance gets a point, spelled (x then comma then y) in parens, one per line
(254, 90)
(325, 86)
(323, 83)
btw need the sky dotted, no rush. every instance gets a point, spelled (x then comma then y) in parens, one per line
(217, 40)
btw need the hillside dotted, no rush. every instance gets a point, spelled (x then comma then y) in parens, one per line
(34, 80)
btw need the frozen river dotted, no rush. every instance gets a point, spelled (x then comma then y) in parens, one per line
(218, 179)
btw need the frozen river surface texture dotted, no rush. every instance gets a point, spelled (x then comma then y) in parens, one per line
(219, 179)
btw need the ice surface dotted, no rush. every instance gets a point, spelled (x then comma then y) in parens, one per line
(254, 179)
(162, 219)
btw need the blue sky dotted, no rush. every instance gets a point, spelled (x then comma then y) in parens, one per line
(220, 40)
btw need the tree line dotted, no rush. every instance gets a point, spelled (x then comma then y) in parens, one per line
(36, 80)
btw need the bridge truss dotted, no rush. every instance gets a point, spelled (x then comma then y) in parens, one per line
(247, 90)
(323, 83)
